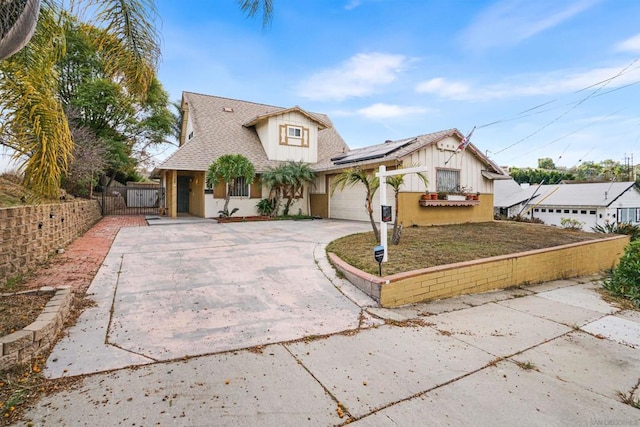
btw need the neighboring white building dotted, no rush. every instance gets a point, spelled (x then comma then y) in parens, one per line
(591, 203)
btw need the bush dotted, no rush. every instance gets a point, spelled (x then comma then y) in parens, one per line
(266, 206)
(624, 280)
(618, 228)
(571, 224)
(520, 218)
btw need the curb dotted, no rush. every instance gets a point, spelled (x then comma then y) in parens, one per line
(21, 346)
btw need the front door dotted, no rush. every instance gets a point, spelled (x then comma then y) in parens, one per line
(183, 194)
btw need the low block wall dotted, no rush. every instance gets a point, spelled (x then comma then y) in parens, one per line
(22, 346)
(30, 234)
(572, 260)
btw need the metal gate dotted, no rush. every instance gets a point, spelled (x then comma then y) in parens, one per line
(132, 199)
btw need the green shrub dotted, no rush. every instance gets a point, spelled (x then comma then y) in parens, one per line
(266, 206)
(618, 228)
(624, 280)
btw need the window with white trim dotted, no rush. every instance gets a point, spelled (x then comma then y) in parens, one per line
(629, 215)
(447, 180)
(294, 132)
(239, 189)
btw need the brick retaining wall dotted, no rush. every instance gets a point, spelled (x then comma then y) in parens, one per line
(30, 234)
(572, 260)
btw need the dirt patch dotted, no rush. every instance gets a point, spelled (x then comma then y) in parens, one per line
(19, 311)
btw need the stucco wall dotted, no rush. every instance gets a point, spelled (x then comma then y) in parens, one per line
(30, 234)
(410, 212)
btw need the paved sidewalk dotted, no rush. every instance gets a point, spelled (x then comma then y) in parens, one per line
(554, 354)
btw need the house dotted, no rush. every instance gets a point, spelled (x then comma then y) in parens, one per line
(589, 203)
(214, 126)
(510, 198)
(267, 135)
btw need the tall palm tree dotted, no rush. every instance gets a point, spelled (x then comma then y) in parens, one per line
(32, 120)
(354, 176)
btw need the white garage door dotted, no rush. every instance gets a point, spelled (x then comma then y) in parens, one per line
(350, 203)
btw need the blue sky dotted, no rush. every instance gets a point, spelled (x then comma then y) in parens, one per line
(558, 76)
(390, 69)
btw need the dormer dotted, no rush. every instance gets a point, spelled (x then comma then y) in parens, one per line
(289, 134)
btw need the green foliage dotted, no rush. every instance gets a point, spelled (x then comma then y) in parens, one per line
(265, 206)
(353, 176)
(546, 163)
(395, 182)
(286, 181)
(226, 214)
(618, 228)
(571, 223)
(624, 280)
(537, 176)
(228, 168)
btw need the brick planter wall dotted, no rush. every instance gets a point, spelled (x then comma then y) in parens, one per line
(30, 234)
(560, 262)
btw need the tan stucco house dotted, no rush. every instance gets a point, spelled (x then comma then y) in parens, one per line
(267, 135)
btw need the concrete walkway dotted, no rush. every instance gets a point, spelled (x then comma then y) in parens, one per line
(245, 324)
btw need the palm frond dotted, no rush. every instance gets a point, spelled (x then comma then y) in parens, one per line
(252, 7)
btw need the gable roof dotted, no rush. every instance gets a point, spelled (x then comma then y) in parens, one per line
(396, 150)
(321, 123)
(221, 126)
(584, 194)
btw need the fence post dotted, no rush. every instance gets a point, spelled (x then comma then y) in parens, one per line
(104, 200)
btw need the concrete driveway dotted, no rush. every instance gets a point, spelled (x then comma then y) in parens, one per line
(173, 291)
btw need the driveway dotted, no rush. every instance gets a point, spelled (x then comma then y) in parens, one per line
(181, 290)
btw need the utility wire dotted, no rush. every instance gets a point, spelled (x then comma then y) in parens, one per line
(583, 100)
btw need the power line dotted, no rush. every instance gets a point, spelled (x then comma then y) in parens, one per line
(583, 100)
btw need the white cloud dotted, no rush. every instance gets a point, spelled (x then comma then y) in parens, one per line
(554, 83)
(444, 88)
(631, 44)
(360, 75)
(352, 4)
(509, 22)
(385, 111)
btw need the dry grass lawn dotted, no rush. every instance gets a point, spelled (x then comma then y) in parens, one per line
(423, 247)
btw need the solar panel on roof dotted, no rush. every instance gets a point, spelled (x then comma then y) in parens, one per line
(370, 153)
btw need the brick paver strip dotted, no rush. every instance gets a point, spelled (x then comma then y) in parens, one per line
(81, 260)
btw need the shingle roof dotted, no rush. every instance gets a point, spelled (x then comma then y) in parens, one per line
(586, 194)
(396, 150)
(218, 131)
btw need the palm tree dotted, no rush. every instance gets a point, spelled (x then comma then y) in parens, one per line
(32, 120)
(353, 176)
(297, 174)
(228, 169)
(395, 182)
(276, 179)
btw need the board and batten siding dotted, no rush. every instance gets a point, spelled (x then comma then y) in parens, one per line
(466, 162)
(269, 134)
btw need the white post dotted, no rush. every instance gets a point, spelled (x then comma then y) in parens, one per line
(382, 174)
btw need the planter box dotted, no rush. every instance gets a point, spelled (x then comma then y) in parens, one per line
(456, 197)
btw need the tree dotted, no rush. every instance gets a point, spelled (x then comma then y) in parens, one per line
(276, 179)
(32, 119)
(395, 182)
(546, 163)
(228, 168)
(353, 176)
(297, 175)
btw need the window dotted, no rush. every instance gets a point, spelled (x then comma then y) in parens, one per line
(592, 212)
(575, 211)
(566, 211)
(558, 210)
(628, 215)
(583, 212)
(240, 188)
(294, 132)
(447, 180)
(543, 210)
(536, 210)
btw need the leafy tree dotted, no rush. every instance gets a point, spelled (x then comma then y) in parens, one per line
(32, 118)
(546, 163)
(353, 176)
(395, 182)
(228, 168)
(537, 176)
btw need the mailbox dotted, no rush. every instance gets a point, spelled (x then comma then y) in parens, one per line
(386, 213)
